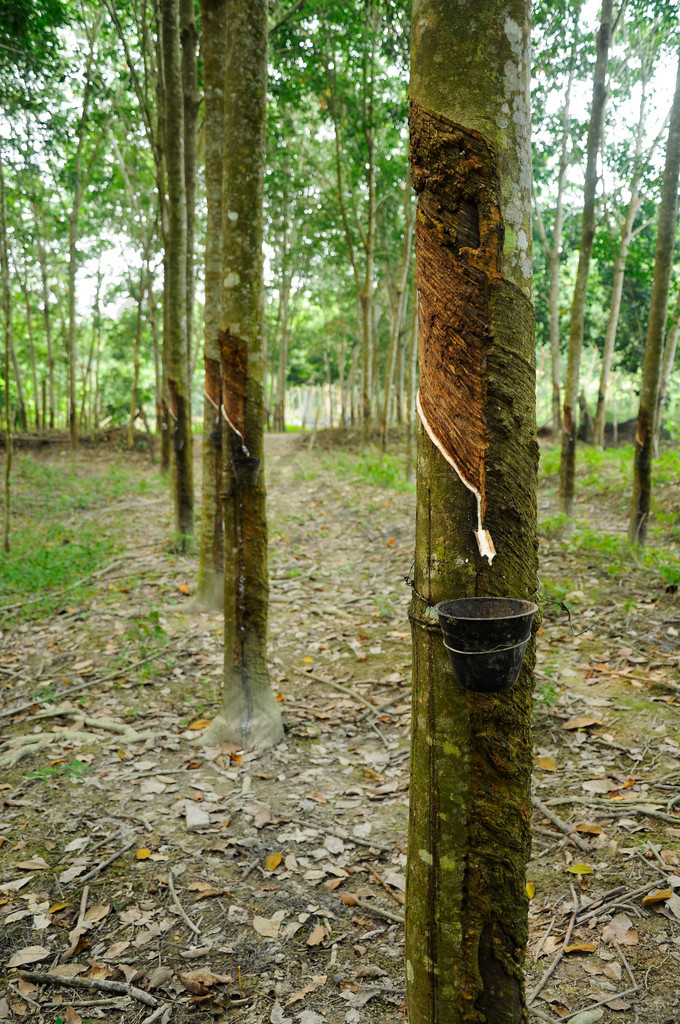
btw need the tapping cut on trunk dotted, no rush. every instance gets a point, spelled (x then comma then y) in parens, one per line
(459, 248)
(234, 352)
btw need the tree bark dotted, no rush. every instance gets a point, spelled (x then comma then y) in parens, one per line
(649, 389)
(47, 319)
(634, 204)
(553, 252)
(250, 714)
(411, 391)
(670, 350)
(175, 283)
(31, 349)
(471, 755)
(398, 311)
(210, 585)
(7, 316)
(191, 101)
(134, 396)
(578, 306)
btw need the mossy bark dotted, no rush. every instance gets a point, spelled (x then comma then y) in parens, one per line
(578, 306)
(210, 585)
(471, 756)
(651, 373)
(250, 714)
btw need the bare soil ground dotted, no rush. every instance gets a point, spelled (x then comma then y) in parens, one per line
(212, 885)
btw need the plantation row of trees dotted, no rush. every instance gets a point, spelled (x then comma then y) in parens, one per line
(111, 175)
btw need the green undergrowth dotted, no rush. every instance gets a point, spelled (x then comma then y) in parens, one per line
(58, 537)
(604, 481)
(383, 470)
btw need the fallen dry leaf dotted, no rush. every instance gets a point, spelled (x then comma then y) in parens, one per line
(37, 864)
(200, 723)
(272, 862)
(581, 723)
(315, 983)
(621, 929)
(28, 955)
(143, 854)
(580, 869)
(548, 764)
(581, 947)
(590, 830)
(317, 935)
(656, 896)
(269, 927)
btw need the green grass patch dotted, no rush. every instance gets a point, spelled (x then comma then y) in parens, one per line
(385, 471)
(56, 539)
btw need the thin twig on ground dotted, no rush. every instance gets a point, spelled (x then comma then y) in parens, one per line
(338, 686)
(545, 938)
(603, 1002)
(105, 863)
(561, 825)
(548, 973)
(384, 884)
(119, 987)
(182, 913)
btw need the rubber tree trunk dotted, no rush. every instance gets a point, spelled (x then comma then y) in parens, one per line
(134, 396)
(177, 351)
(31, 349)
(411, 389)
(210, 585)
(553, 252)
(471, 755)
(47, 319)
(649, 389)
(189, 40)
(398, 312)
(670, 350)
(578, 306)
(250, 714)
(634, 204)
(7, 317)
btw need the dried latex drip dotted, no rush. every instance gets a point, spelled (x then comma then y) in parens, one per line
(482, 536)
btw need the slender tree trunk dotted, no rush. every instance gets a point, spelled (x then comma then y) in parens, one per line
(649, 389)
(160, 150)
(31, 349)
(282, 367)
(554, 252)
(578, 306)
(471, 755)
(7, 316)
(399, 407)
(352, 385)
(411, 390)
(250, 714)
(157, 360)
(210, 587)
(341, 383)
(398, 311)
(177, 345)
(619, 274)
(134, 397)
(19, 385)
(47, 320)
(189, 40)
(670, 350)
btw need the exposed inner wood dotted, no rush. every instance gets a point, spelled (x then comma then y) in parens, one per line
(459, 246)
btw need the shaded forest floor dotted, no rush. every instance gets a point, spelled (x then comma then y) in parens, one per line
(218, 885)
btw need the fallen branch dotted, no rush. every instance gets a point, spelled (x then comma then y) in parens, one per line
(156, 1015)
(603, 1002)
(548, 973)
(378, 911)
(105, 863)
(561, 825)
(340, 834)
(606, 904)
(634, 807)
(182, 913)
(68, 690)
(92, 984)
(384, 884)
(343, 689)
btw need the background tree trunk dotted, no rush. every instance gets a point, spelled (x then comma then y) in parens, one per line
(578, 306)
(210, 585)
(176, 295)
(250, 714)
(188, 40)
(7, 316)
(670, 350)
(471, 756)
(649, 389)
